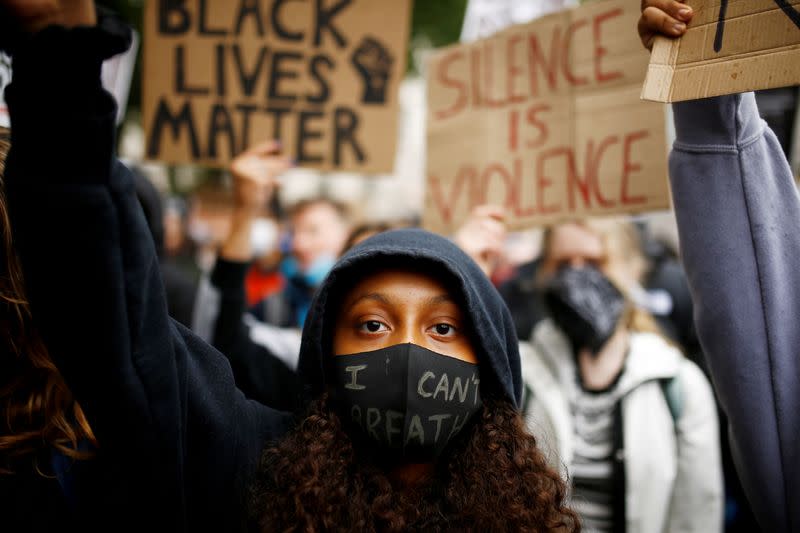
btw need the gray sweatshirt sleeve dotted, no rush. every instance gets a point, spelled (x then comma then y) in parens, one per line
(739, 221)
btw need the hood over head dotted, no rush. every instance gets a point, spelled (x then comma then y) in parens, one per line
(493, 333)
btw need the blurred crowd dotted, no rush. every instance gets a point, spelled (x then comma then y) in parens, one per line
(595, 385)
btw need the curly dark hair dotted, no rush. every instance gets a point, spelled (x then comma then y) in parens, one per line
(496, 479)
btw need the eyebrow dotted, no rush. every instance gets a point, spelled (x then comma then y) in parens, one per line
(378, 297)
(441, 299)
(373, 296)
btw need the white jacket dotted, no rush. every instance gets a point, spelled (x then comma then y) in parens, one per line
(673, 470)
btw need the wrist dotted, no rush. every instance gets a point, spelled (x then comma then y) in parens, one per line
(69, 14)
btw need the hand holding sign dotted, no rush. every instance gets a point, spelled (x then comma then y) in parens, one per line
(663, 17)
(727, 48)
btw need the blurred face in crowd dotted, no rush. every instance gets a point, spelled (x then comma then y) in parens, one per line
(397, 306)
(317, 230)
(573, 245)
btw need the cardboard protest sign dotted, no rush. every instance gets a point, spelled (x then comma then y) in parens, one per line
(545, 119)
(731, 46)
(322, 76)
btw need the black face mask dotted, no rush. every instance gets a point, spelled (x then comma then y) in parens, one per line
(408, 399)
(585, 305)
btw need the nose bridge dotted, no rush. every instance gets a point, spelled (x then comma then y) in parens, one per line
(408, 332)
(577, 262)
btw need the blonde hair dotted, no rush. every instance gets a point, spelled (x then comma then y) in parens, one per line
(623, 263)
(38, 407)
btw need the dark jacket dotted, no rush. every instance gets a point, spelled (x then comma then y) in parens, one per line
(259, 374)
(178, 441)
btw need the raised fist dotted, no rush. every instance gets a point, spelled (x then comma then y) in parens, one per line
(373, 62)
(255, 173)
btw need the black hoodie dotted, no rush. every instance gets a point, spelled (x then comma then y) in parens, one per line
(178, 443)
(493, 331)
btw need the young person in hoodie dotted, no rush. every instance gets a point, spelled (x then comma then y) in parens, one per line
(447, 452)
(738, 212)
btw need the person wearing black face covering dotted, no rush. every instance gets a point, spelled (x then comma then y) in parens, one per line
(180, 442)
(631, 420)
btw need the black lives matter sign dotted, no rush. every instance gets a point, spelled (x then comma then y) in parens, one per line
(320, 75)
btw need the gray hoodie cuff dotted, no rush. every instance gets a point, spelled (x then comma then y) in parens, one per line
(730, 120)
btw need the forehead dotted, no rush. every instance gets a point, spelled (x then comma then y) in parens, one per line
(315, 213)
(402, 284)
(574, 240)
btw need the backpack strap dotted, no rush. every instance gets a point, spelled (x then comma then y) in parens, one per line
(673, 394)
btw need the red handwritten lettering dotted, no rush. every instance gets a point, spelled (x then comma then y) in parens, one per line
(628, 167)
(600, 50)
(566, 54)
(446, 81)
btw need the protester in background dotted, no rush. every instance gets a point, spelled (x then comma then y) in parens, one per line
(263, 357)
(632, 420)
(319, 229)
(738, 208)
(363, 232)
(164, 404)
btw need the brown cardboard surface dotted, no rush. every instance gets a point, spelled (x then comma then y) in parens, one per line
(322, 77)
(545, 119)
(757, 46)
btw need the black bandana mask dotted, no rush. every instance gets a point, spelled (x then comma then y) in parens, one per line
(406, 398)
(585, 305)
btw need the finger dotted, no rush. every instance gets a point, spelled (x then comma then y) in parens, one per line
(270, 147)
(492, 211)
(658, 21)
(494, 229)
(674, 8)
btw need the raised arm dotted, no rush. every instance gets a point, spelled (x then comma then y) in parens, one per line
(163, 404)
(260, 374)
(738, 216)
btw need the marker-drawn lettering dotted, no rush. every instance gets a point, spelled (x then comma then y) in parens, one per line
(438, 419)
(456, 426)
(392, 417)
(373, 420)
(354, 370)
(460, 388)
(425, 377)
(443, 386)
(415, 430)
(355, 415)
(787, 8)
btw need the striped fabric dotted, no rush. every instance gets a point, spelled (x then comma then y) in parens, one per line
(593, 461)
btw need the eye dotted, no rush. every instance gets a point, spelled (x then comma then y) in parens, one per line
(373, 326)
(444, 330)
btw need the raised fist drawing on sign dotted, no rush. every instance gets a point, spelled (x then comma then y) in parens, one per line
(373, 62)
